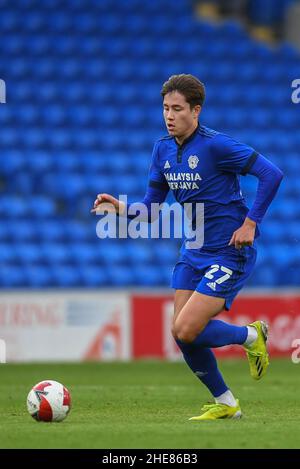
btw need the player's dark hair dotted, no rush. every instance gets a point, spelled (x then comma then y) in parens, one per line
(189, 86)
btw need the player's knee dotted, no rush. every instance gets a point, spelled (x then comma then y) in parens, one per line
(183, 333)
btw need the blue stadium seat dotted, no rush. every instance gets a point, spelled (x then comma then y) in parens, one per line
(82, 253)
(139, 49)
(273, 231)
(93, 276)
(6, 115)
(101, 182)
(48, 4)
(54, 115)
(140, 252)
(267, 12)
(61, 139)
(85, 139)
(109, 117)
(110, 24)
(274, 74)
(48, 92)
(7, 253)
(120, 160)
(101, 92)
(147, 275)
(11, 277)
(40, 206)
(263, 276)
(28, 114)
(65, 276)
(232, 30)
(55, 253)
(67, 186)
(79, 231)
(50, 231)
(38, 161)
(135, 118)
(93, 162)
(288, 119)
(35, 21)
(9, 21)
(80, 115)
(45, 71)
(239, 50)
(237, 118)
(140, 164)
(33, 137)
(119, 276)
(125, 184)
(140, 141)
(135, 23)
(13, 206)
(38, 276)
(28, 253)
(276, 95)
(22, 184)
(166, 251)
(253, 95)
(67, 46)
(11, 162)
(5, 232)
(22, 230)
(261, 119)
(111, 251)
(166, 271)
(39, 44)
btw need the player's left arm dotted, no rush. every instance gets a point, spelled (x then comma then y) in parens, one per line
(270, 177)
(236, 157)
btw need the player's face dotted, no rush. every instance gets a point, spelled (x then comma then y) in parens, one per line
(180, 119)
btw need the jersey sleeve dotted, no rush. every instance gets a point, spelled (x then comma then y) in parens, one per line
(233, 156)
(156, 178)
(270, 177)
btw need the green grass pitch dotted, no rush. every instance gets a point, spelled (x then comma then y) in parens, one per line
(147, 404)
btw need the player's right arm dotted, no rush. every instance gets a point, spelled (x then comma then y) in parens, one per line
(156, 193)
(106, 202)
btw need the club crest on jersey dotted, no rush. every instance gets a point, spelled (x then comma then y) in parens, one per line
(193, 161)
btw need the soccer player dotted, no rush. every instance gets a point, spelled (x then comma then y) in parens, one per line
(206, 280)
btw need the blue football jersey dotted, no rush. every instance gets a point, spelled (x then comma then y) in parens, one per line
(205, 169)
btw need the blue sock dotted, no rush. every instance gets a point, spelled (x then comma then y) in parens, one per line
(204, 364)
(218, 333)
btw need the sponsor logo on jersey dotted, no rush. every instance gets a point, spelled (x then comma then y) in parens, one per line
(167, 165)
(187, 181)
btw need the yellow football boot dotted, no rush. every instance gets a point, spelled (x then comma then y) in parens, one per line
(257, 352)
(219, 411)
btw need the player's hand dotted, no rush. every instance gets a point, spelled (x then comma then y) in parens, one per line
(244, 236)
(108, 203)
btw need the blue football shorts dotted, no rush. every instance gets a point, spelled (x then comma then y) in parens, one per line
(220, 273)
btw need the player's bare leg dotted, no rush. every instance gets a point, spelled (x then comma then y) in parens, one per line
(194, 315)
(180, 299)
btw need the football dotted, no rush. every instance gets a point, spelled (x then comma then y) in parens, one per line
(49, 401)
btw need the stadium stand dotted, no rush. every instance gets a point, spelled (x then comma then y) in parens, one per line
(83, 111)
